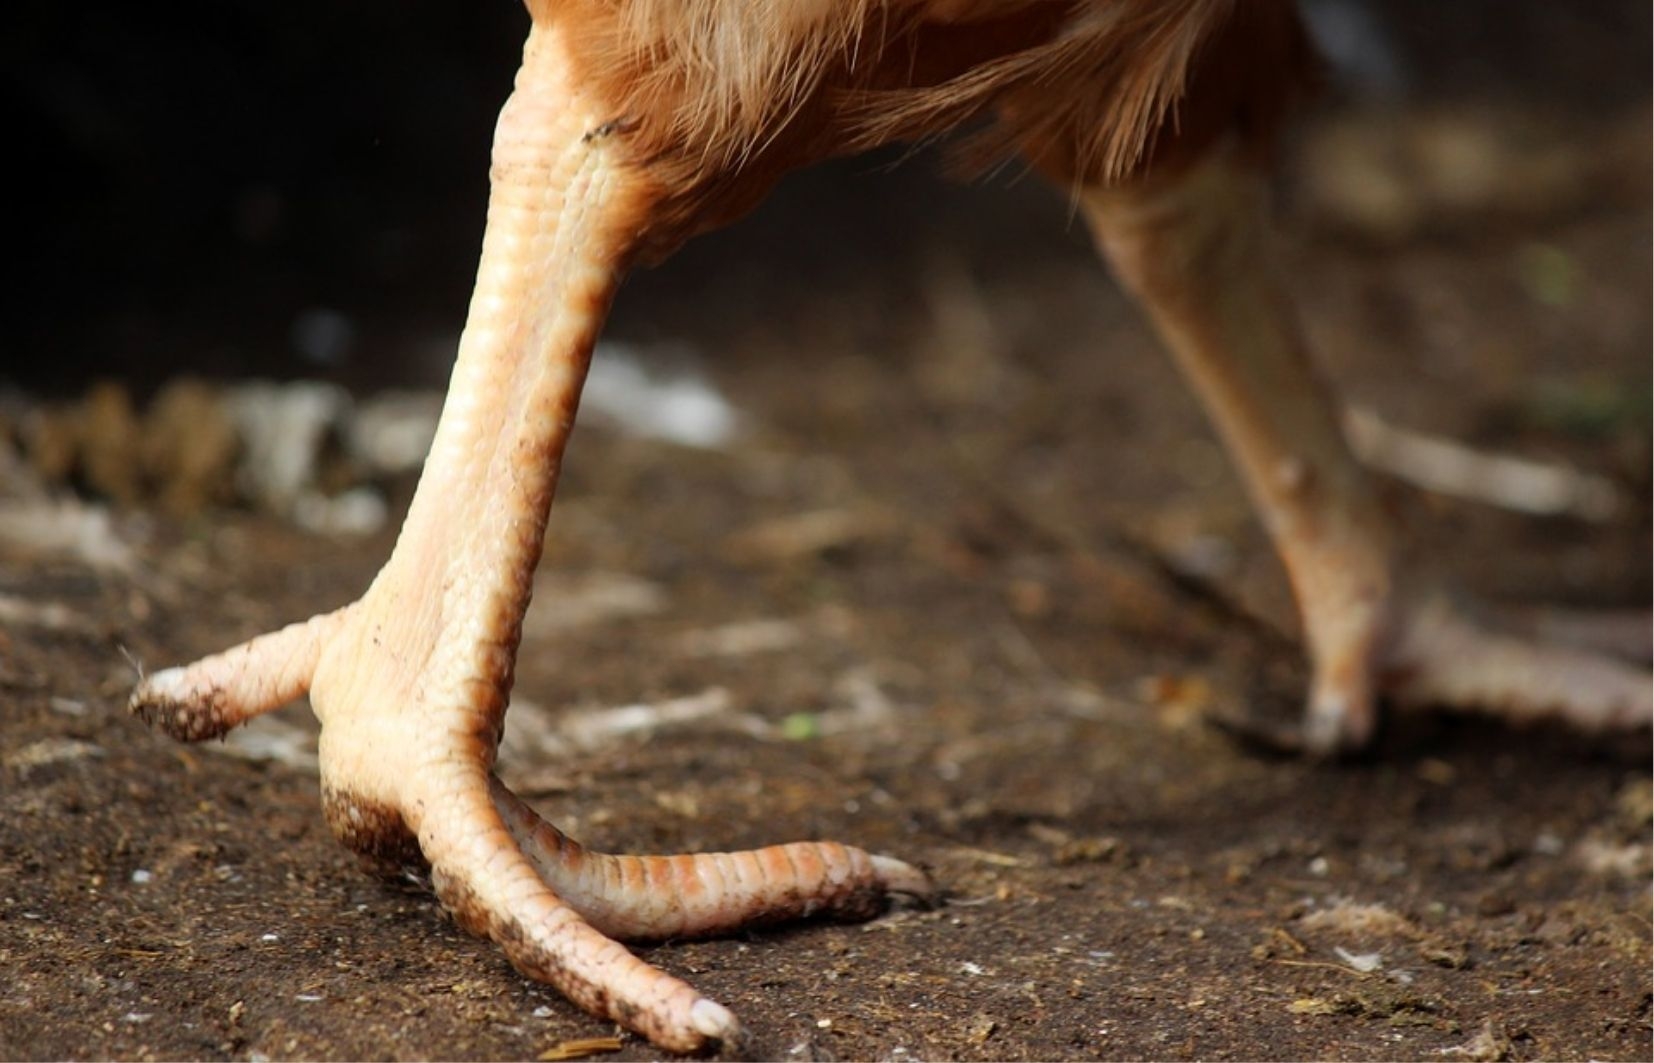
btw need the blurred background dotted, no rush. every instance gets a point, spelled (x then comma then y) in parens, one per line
(885, 507)
(232, 188)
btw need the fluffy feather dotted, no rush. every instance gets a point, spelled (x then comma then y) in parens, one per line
(722, 96)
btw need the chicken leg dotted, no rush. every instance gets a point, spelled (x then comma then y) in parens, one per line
(1192, 245)
(634, 126)
(411, 681)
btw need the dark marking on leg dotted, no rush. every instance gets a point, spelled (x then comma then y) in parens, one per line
(610, 128)
(374, 831)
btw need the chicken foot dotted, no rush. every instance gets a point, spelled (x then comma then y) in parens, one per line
(1192, 245)
(411, 682)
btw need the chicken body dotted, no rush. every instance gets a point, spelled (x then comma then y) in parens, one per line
(636, 124)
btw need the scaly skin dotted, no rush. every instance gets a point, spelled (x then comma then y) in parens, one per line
(411, 682)
(1193, 247)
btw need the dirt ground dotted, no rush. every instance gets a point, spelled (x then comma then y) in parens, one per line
(968, 591)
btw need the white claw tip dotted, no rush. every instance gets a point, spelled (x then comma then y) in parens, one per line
(167, 683)
(712, 1019)
(899, 877)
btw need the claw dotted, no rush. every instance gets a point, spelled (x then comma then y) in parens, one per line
(1343, 710)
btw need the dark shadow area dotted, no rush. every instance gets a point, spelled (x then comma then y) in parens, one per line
(196, 185)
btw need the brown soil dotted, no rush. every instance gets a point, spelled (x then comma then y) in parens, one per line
(975, 662)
